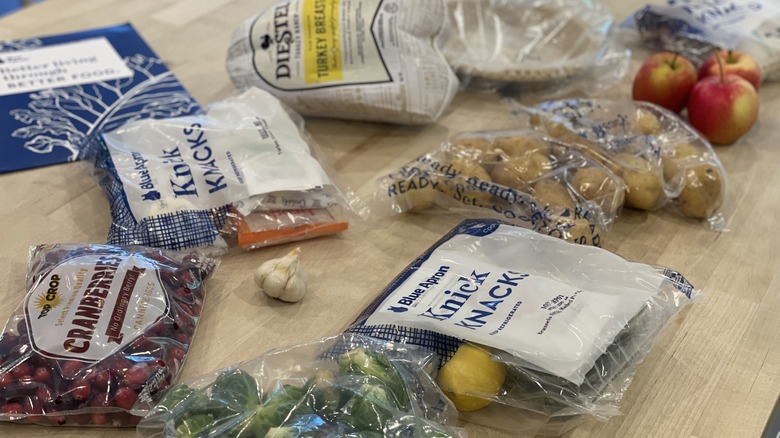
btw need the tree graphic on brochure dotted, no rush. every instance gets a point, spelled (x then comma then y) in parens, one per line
(65, 117)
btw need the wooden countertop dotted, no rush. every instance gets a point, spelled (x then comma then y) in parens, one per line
(715, 373)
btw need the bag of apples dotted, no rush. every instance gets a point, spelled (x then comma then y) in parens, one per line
(100, 334)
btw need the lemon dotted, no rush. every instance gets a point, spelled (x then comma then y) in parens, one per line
(470, 376)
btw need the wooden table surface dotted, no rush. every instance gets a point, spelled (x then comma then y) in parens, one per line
(714, 373)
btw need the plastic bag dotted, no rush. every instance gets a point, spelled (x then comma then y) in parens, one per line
(516, 175)
(546, 331)
(662, 160)
(342, 386)
(102, 332)
(530, 46)
(696, 28)
(358, 59)
(173, 183)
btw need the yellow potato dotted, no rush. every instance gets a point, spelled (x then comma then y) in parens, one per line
(672, 157)
(648, 123)
(580, 232)
(421, 198)
(479, 149)
(518, 145)
(549, 192)
(517, 172)
(594, 183)
(644, 188)
(575, 230)
(461, 188)
(702, 194)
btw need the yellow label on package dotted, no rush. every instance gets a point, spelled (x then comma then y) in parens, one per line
(322, 46)
(306, 44)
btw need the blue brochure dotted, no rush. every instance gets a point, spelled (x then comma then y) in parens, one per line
(55, 91)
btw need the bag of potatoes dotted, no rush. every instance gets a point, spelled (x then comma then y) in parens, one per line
(662, 161)
(515, 175)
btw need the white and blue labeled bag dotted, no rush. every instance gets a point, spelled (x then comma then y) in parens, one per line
(571, 323)
(694, 28)
(175, 183)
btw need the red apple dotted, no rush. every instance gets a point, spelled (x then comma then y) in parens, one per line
(665, 79)
(723, 108)
(735, 63)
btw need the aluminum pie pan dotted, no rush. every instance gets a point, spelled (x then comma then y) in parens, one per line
(522, 41)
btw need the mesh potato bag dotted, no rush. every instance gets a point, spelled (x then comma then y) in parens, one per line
(663, 162)
(516, 175)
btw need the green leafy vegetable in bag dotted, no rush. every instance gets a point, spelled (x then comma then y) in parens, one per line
(371, 363)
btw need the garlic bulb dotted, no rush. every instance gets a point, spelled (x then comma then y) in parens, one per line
(283, 278)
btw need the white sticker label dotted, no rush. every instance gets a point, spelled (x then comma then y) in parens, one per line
(554, 305)
(93, 306)
(320, 43)
(62, 65)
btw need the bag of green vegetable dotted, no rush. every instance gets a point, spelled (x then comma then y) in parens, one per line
(342, 386)
(534, 333)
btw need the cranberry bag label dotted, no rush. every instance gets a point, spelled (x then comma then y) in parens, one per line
(93, 306)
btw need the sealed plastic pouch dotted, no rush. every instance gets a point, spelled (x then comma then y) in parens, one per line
(102, 332)
(342, 386)
(185, 182)
(661, 159)
(534, 333)
(516, 175)
(696, 28)
(350, 59)
(533, 46)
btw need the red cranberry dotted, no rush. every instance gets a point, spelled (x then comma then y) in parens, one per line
(177, 353)
(20, 350)
(42, 375)
(118, 364)
(8, 341)
(12, 408)
(21, 327)
(70, 368)
(182, 338)
(137, 375)
(100, 419)
(32, 406)
(101, 400)
(44, 394)
(103, 380)
(80, 390)
(6, 379)
(125, 398)
(22, 369)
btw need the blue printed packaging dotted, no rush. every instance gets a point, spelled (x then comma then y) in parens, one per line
(57, 90)
(569, 323)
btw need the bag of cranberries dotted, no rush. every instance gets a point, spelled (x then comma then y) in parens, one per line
(102, 332)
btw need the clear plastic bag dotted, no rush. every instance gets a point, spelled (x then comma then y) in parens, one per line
(101, 334)
(342, 386)
(533, 333)
(516, 175)
(696, 28)
(360, 59)
(531, 46)
(186, 182)
(661, 159)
